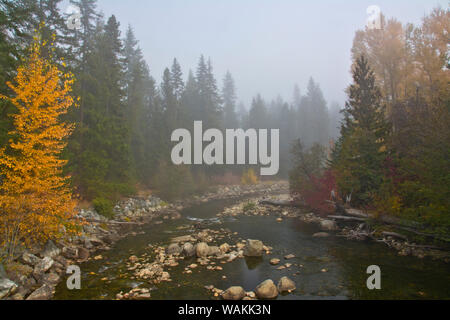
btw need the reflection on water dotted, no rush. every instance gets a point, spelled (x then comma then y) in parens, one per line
(330, 268)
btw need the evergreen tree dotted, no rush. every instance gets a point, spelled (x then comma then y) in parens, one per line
(177, 80)
(138, 87)
(229, 102)
(361, 150)
(103, 166)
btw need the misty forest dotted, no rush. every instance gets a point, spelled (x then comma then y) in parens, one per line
(86, 176)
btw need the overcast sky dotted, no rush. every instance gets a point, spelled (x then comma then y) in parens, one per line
(267, 45)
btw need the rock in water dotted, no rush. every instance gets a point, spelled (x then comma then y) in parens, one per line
(188, 249)
(83, 253)
(266, 290)
(174, 248)
(286, 285)
(224, 247)
(234, 293)
(201, 249)
(254, 248)
(214, 251)
(274, 261)
(43, 293)
(328, 225)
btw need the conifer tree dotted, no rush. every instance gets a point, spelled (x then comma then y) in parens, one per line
(361, 150)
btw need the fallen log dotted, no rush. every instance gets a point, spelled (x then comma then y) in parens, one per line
(394, 235)
(345, 218)
(280, 203)
(111, 222)
(356, 213)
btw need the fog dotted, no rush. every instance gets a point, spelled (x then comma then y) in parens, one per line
(267, 45)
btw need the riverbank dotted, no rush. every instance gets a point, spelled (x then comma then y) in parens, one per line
(35, 272)
(349, 227)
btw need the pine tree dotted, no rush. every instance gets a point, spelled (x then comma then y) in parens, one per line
(138, 88)
(361, 150)
(103, 162)
(229, 102)
(177, 80)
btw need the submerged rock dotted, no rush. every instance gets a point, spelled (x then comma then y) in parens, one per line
(321, 235)
(328, 225)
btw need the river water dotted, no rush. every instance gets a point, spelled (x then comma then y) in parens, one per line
(323, 268)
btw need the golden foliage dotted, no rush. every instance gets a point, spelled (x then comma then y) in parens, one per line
(249, 177)
(35, 200)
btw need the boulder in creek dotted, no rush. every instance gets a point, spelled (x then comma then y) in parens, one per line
(328, 225)
(286, 285)
(224, 247)
(70, 252)
(50, 250)
(83, 253)
(266, 290)
(7, 287)
(173, 248)
(188, 249)
(214, 251)
(254, 248)
(234, 293)
(43, 293)
(201, 249)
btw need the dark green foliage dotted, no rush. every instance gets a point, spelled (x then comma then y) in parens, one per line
(359, 156)
(103, 207)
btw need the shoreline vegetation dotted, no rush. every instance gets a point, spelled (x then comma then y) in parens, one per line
(35, 272)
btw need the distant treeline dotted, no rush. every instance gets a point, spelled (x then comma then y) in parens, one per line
(124, 119)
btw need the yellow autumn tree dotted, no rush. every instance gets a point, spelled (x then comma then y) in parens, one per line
(36, 202)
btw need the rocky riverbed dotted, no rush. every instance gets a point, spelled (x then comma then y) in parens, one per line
(34, 272)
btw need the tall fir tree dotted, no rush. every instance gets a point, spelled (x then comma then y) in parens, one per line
(361, 150)
(229, 102)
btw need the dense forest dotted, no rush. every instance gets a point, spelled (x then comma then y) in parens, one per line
(391, 153)
(124, 119)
